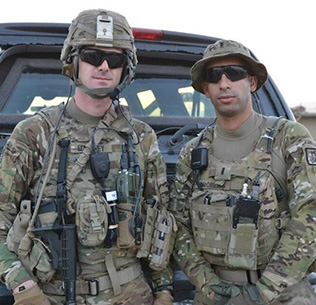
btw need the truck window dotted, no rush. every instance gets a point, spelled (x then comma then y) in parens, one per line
(147, 96)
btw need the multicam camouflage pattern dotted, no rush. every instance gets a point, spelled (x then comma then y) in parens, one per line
(20, 172)
(294, 251)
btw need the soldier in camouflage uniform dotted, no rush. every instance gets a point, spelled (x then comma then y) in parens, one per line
(100, 57)
(245, 192)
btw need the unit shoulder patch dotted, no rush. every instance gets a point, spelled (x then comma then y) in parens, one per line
(311, 156)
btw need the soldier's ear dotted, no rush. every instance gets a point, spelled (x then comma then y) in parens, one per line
(253, 83)
(205, 89)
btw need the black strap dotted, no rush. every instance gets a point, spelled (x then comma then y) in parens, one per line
(61, 193)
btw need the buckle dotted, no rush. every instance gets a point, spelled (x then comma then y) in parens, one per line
(94, 286)
(280, 223)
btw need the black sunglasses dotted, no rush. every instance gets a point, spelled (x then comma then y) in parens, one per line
(233, 72)
(96, 57)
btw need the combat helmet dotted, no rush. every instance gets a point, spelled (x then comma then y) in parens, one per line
(226, 48)
(101, 28)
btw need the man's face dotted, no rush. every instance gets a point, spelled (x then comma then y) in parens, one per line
(101, 76)
(230, 98)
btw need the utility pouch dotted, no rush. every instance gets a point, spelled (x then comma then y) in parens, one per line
(19, 227)
(243, 242)
(32, 253)
(39, 262)
(125, 238)
(92, 220)
(163, 240)
(151, 215)
(242, 248)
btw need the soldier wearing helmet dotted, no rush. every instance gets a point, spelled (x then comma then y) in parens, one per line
(89, 168)
(245, 192)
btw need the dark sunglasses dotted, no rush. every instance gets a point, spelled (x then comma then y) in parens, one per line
(96, 58)
(233, 72)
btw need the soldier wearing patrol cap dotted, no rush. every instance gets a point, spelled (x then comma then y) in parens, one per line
(245, 192)
(86, 167)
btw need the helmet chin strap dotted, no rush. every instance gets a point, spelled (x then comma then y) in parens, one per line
(101, 93)
(98, 94)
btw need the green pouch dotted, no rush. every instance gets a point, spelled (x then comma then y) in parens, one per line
(242, 248)
(125, 214)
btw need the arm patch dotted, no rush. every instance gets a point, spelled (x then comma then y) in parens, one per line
(311, 156)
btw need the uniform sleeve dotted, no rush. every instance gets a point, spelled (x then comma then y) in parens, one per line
(296, 250)
(189, 258)
(16, 172)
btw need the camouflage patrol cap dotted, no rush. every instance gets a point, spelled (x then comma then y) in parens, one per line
(226, 48)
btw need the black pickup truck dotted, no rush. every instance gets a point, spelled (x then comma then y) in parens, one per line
(161, 95)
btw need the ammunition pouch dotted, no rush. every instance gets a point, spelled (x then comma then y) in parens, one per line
(92, 220)
(163, 240)
(151, 215)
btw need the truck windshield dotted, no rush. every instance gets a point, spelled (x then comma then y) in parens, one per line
(146, 96)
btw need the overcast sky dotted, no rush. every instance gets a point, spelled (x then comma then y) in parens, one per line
(280, 32)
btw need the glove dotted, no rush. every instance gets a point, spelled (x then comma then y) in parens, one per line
(225, 289)
(163, 298)
(31, 296)
(254, 293)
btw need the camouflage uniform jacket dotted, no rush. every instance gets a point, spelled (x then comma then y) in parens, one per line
(21, 165)
(293, 252)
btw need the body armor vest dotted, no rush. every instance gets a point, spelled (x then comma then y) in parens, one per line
(227, 240)
(89, 203)
(85, 195)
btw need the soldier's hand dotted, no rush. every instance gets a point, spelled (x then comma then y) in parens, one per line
(30, 296)
(163, 298)
(223, 289)
(255, 295)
